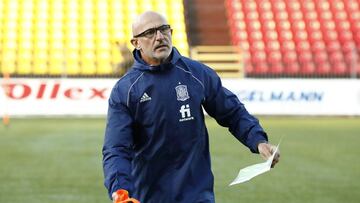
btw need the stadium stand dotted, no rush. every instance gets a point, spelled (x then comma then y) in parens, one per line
(295, 38)
(209, 38)
(75, 37)
(279, 38)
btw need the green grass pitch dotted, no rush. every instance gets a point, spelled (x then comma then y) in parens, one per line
(49, 160)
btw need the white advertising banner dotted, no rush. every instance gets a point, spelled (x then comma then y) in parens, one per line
(46, 97)
(298, 96)
(55, 96)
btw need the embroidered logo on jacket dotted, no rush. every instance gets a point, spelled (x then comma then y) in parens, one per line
(145, 98)
(182, 93)
(185, 113)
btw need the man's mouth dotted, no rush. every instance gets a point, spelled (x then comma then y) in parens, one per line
(161, 46)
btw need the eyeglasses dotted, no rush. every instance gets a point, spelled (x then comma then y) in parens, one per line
(150, 33)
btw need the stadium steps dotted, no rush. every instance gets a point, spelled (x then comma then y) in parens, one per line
(225, 60)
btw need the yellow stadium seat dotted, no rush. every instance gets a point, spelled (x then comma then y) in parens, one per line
(8, 61)
(103, 55)
(87, 45)
(72, 54)
(145, 6)
(9, 43)
(24, 59)
(71, 36)
(131, 5)
(40, 55)
(56, 62)
(56, 45)
(87, 61)
(118, 36)
(25, 33)
(71, 62)
(24, 67)
(40, 67)
(57, 6)
(40, 59)
(12, 5)
(72, 67)
(103, 62)
(40, 19)
(103, 44)
(87, 36)
(9, 31)
(104, 68)
(72, 58)
(86, 26)
(40, 38)
(56, 28)
(72, 6)
(71, 49)
(8, 67)
(116, 18)
(116, 6)
(115, 56)
(25, 22)
(160, 6)
(88, 67)
(56, 67)
(87, 54)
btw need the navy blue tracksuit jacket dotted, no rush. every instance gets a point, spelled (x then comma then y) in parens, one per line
(156, 143)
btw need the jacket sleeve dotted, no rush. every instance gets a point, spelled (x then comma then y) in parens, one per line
(228, 111)
(118, 146)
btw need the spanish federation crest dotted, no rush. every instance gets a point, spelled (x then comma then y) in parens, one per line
(182, 93)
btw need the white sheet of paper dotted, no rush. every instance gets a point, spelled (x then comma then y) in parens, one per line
(249, 172)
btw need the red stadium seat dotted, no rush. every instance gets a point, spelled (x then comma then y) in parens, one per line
(292, 69)
(333, 46)
(274, 61)
(340, 69)
(336, 57)
(305, 57)
(276, 68)
(260, 68)
(318, 46)
(345, 37)
(307, 69)
(289, 57)
(258, 57)
(320, 57)
(323, 68)
(303, 46)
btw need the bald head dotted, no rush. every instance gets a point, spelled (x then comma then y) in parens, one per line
(146, 20)
(152, 37)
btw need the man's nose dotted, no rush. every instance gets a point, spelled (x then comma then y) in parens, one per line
(159, 35)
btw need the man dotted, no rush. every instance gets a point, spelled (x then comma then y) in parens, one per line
(127, 61)
(156, 143)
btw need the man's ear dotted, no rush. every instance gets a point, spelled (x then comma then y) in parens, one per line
(135, 43)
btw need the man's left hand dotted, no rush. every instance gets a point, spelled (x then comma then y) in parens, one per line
(266, 150)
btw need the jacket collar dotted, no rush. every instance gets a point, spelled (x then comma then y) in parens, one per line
(140, 64)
